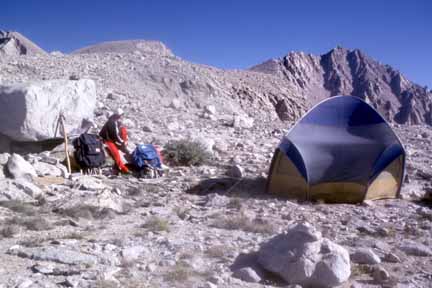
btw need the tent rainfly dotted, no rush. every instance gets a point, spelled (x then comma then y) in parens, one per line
(341, 151)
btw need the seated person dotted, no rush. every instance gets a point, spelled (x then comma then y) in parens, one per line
(115, 138)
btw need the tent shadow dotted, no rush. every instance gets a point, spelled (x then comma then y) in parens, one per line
(255, 188)
(232, 187)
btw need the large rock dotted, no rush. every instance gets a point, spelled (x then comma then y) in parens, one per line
(365, 256)
(301, 256)
(29, 111)
(54, 254)
(29, 188)
(45, 169)
(415, 249)
(18, 167)
(10, 191)
(96, 201)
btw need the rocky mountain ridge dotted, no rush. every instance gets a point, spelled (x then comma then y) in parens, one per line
(351, 72)
(293, 83)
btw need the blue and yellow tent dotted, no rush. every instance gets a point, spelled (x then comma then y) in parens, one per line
(343, 151)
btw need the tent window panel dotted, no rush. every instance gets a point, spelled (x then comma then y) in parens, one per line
(286, 167)
(288, 186)
(338, 192)
(286, 180)
(387, 183)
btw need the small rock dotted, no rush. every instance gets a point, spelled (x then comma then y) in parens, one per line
(176, 104)
(426, 175)
(368, 203)
(210, 109)
(147, 128)
(207, 143)
(90, 183)
(380, 275)
(425, 212)
(209, 285)
(382, 246)
(415, 249)
(221, 146)
(356, 285)
(242, 122)
(25, 284)
(151, 267)
(383, 232)
(43, 268)
(247, 274)
(72, 281)
(74, 77)
(131, 254)
(366, 229)
(392, 258)
(173, 126)
(216, 279)
(4, 157)
(236, 171)
(365, 256)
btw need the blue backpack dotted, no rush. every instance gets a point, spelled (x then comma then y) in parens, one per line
(146, 156)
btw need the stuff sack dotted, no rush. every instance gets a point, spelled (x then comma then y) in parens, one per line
(146, 156)
(89, 152)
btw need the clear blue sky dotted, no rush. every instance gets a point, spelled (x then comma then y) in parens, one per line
(236, 34)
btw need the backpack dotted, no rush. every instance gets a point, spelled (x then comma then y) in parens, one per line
(146, 156)
(89, 152)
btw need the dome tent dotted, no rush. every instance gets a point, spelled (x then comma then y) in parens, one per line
(342, 151)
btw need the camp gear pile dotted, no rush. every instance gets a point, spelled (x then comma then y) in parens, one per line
(89, 152)
(146, 158)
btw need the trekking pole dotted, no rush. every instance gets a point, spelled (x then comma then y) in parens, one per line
(61, 119)
(57, 127)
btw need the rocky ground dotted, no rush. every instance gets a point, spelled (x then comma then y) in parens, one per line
(196, 226)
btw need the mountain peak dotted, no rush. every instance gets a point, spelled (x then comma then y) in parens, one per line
(13, 43)
(343, 71)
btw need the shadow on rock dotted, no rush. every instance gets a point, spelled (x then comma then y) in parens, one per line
(250, 261)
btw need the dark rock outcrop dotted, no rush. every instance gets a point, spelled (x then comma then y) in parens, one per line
(351, 72)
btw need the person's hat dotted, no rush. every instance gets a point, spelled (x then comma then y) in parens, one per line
(119, 111)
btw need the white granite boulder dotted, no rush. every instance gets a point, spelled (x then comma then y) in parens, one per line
(18, 167)
(29, 111)
(301, 256)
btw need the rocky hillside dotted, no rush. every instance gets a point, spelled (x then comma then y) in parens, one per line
(150, 79)
(13, 43)
(130, 46)
(351, 72)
